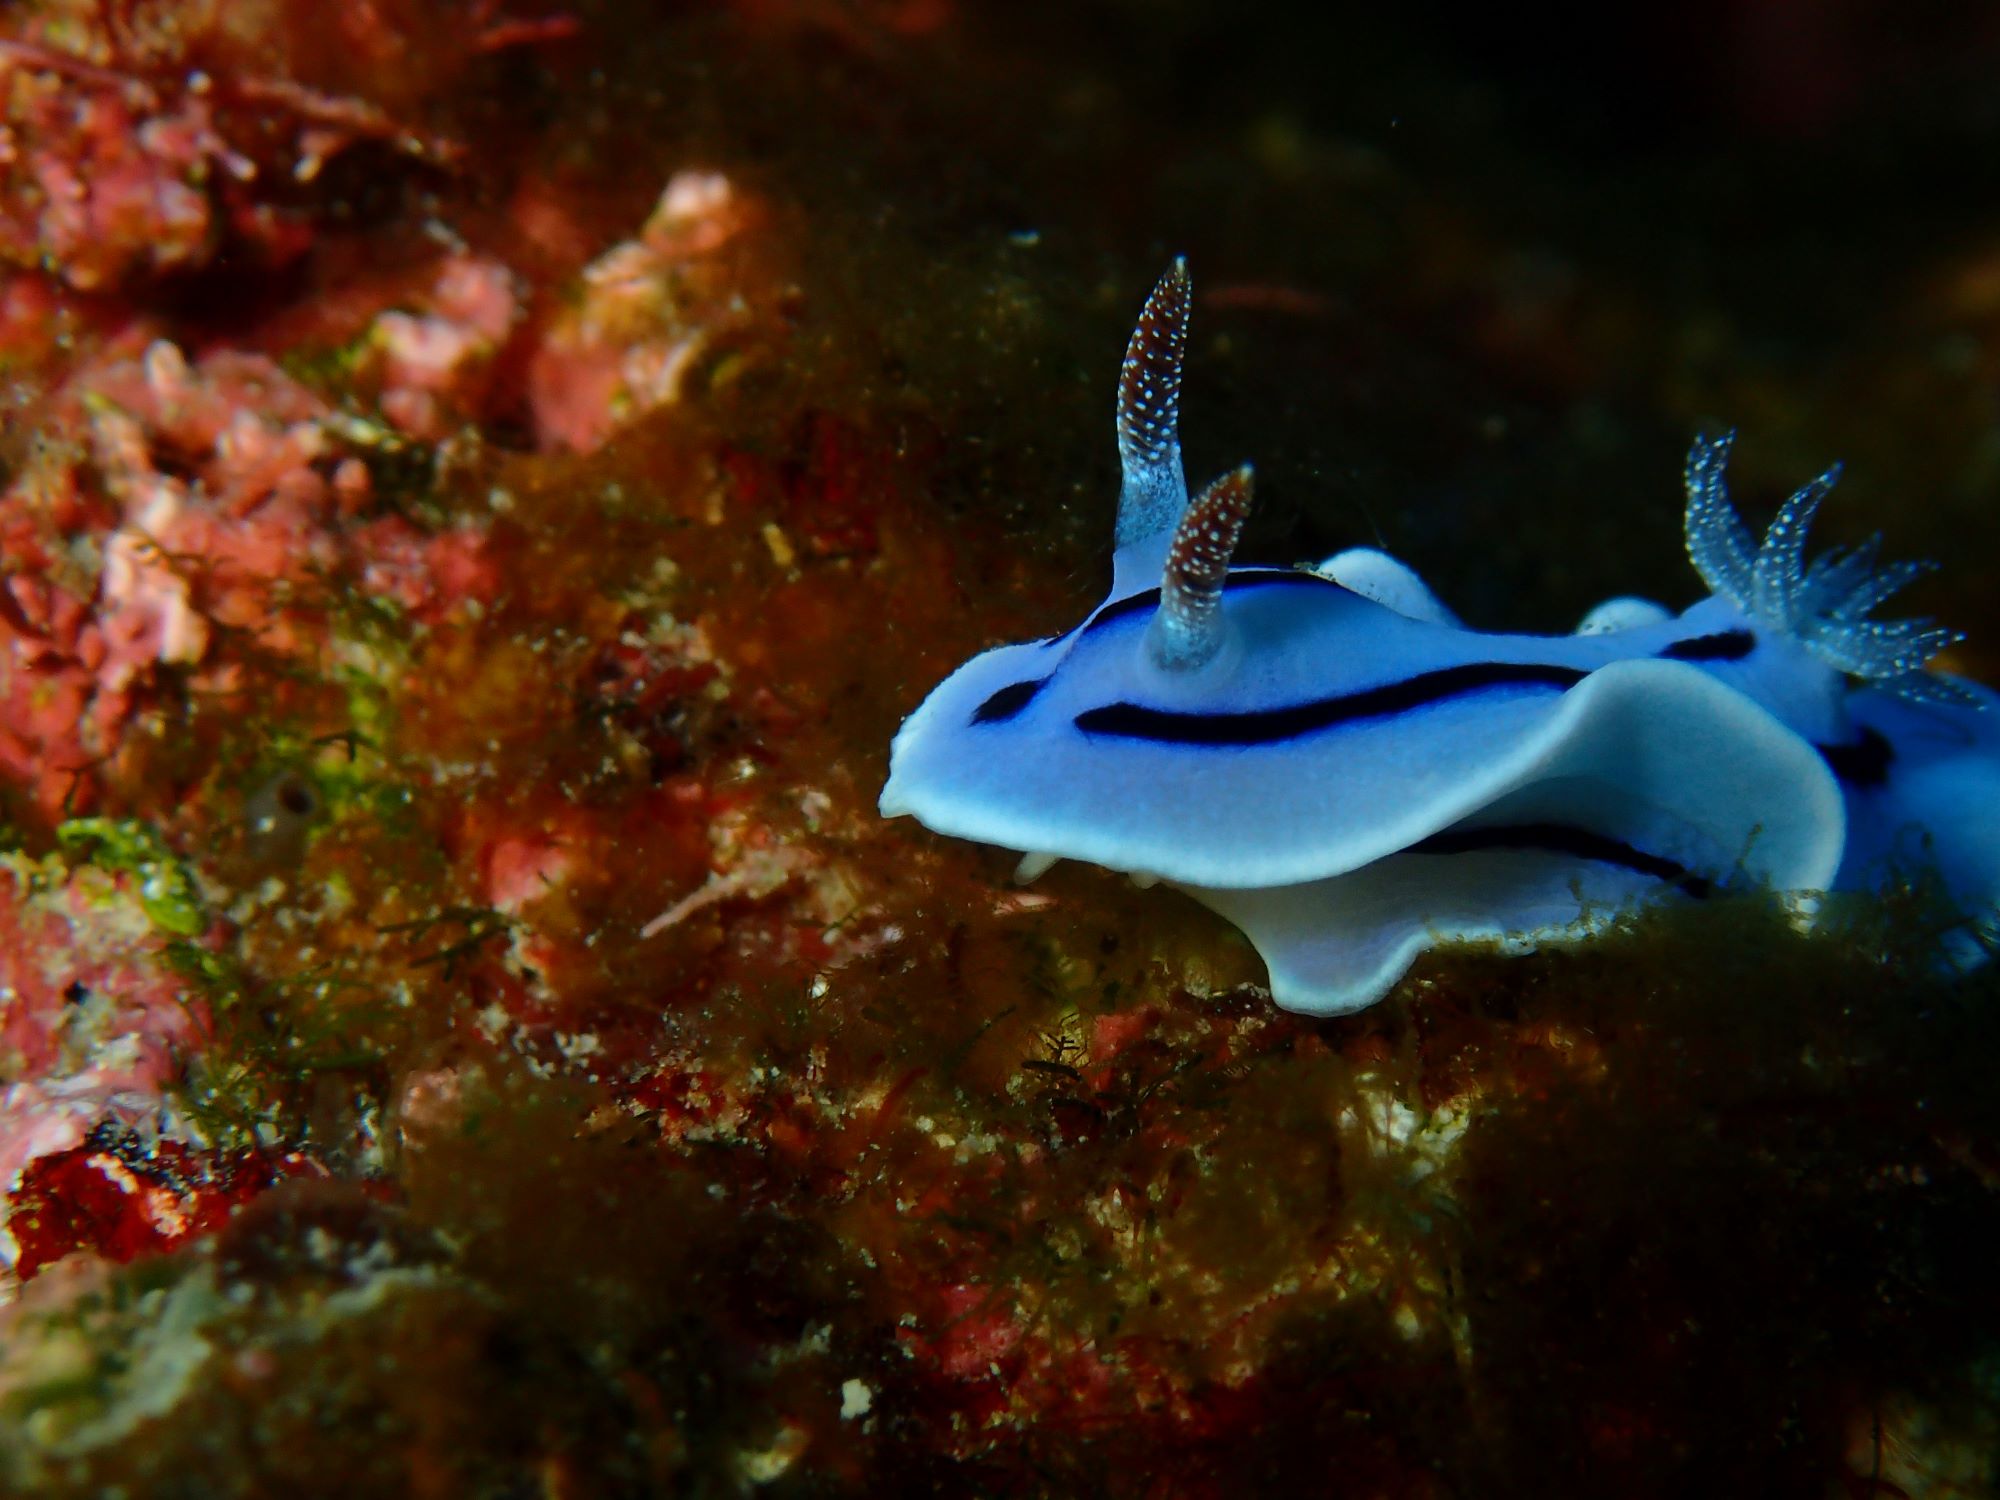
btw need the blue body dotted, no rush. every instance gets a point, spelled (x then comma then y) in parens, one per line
(1351, 776)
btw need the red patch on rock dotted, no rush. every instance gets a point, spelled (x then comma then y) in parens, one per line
(119, 1200)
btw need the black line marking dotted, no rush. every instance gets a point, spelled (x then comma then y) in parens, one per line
(1724, 645)
(1864, 763)
(1271, 725)
(1561, 838)
(1008, 701)
(1241, 578)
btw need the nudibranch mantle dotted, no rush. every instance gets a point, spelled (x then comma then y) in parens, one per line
(1327, 758)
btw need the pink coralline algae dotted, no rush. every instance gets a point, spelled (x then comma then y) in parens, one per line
(98, 189)
(198, 488)
(178, 505)
(55, 723)
(436, 363)
(521, 866)
(92, 1021)
(647, 311)
(427, 575)
(136, 144)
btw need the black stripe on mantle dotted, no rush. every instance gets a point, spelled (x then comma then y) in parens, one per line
(1271, 726)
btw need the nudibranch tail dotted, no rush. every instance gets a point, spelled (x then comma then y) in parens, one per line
(1187, 631)
(1154, 488)
(1822, 604)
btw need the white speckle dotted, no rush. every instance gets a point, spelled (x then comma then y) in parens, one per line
(780, 546)
(578, 1047)
(769, 1464)
(855, 1399)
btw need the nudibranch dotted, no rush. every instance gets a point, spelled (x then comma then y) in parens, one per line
(1330, 760)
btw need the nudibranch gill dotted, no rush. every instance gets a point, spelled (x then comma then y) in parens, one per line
(1330, 760)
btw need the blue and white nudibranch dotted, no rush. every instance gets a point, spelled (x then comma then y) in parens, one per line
(1330, 760)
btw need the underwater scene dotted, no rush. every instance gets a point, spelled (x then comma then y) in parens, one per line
(938, 747)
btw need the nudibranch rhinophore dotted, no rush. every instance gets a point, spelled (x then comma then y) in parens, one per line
(1329, 759)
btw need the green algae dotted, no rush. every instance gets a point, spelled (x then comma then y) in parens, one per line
(165, 886)
(273, 1039)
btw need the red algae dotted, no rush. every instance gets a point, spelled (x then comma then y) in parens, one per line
(482, 486)
(121, 1196)
(92, 1022)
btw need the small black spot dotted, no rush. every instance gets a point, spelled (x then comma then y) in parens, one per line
(1008, 702)
(1863, 763)
(76, 992)
(280, 816)
(1724, 645)
(298, 798)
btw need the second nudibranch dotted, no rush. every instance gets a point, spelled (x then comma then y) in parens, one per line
(1327, 758)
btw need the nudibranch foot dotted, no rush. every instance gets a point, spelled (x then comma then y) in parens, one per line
(1337, 946)
(1578, 843)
